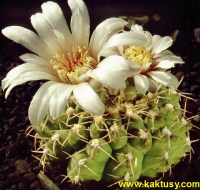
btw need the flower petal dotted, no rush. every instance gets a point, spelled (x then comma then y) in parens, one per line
(141, 83)
(59, 99)
(34, 59)
(80, 22)
(65, 46)
(174, 83)
(160, 76)
(54, 16)
(25, 77)
(165, 64)
(153, 86)
(96, 85)
(108, 77)
(88, 99)
(154, 40)
(111, 51)
(134, 68)
(28, 39)
(125, 39)
(114, 63)
(137, 28)
(168, 61)
(145, 66)
(39, 105)
(103, 31)
(163, 53)
(160, 43)
(20, 70)
(45, 32)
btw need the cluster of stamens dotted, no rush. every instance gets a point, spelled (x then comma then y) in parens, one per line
(70, 67)
(138, 54)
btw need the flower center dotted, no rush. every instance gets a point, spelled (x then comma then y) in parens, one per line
(69, 68)
(138, 54)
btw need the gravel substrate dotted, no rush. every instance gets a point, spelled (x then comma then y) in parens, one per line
(19, 169)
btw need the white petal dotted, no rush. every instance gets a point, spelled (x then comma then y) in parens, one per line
(65, 46)
(160, 44)
(20, 70)
(103, 31)
(45, 32)
(54, 15)
(25, 77)
(174, 83)
(141, 83)
(172, 58)
(88, 99)
(165, 64)
(160, 76)
(154, 40)
(134, 68)
(163, 53)
(80, 22)
(114, 25)
(59, 99)
(125, 39)
(39, 105)
(153, 86)
(149, 39)
(108, 77)
(28, 39)
(145, 66)
(126, 74)
(96, 86)
(110, 51)
(137, 28)
(34, 59)
(114, 63)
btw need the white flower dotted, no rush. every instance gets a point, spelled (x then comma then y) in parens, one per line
(153, 57)
(67, 59)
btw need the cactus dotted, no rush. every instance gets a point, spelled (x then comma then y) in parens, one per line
(138, 135)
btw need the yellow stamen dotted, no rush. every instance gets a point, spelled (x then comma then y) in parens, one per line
(138, 54)
(69, 68)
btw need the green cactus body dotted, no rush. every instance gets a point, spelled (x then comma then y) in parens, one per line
(138, 135)
(129, 160)
(77, 135)
(81, 167)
